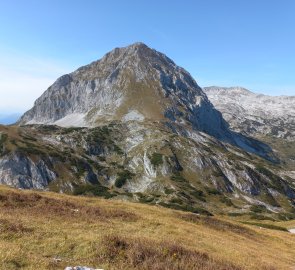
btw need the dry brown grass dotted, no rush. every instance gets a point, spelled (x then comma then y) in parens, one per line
(38, 227)
(216, 224)
(16, 229)
(142, 253)
(49, 207)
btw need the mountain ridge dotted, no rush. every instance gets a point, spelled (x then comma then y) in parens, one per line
(255, 114)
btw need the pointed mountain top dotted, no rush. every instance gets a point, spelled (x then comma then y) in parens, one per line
(131, 83)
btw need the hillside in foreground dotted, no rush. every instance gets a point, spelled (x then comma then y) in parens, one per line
(43, 230)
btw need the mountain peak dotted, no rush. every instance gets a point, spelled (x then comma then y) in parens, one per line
(137, 58)
(139, 52)
(226, 90)
(133, 83)
(128, 79)
(138, 45)
(132, 48)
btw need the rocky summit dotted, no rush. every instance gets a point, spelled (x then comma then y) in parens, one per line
(131, 83)
(136, 126)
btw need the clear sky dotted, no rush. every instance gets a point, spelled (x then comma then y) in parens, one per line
(250, 43)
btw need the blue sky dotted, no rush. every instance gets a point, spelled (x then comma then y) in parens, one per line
(231, 42)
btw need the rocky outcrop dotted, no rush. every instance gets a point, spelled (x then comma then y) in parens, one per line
(20, 171)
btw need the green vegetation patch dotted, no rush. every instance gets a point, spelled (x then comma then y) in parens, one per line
(258, 209)
(256, 216)
(286, 216)
(48, 128)
(177, 177)
(212, 191)
(276, 182)
(268, 198)
(81, 166)
(31, 149)
(103, 136)
(227, 201)
(93, 190)
(198, 194)
(235, 214)
(122, 178)
(186, 208)
(145, 198)
(3, 138)
(71, 129)
(157, 159)
(118, 150)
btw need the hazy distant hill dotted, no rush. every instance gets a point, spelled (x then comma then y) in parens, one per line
(7, 119)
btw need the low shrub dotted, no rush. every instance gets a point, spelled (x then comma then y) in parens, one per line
(94, 190)
(3, 138)
(122, 178)
(212, 191)
(198, 194)
(157, 159)
(286, 216)
(259, 217)
(187, 208)
(227, 201)
(258, 209)
(177, 177)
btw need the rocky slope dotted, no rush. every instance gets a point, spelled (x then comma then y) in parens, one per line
(255, 114)
(134, 83)
(135, 126)
(144, 162)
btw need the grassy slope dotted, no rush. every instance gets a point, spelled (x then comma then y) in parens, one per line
(36, 227)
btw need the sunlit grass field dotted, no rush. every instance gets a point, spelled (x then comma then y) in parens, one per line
(40, 230)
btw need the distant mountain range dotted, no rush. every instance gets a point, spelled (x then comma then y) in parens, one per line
(134, 125)
(255, 114)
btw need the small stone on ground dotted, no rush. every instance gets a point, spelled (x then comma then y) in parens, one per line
(81, 268)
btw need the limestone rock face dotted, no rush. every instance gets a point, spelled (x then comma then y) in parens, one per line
(20, 171)
(255, 114)
(131, 83)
